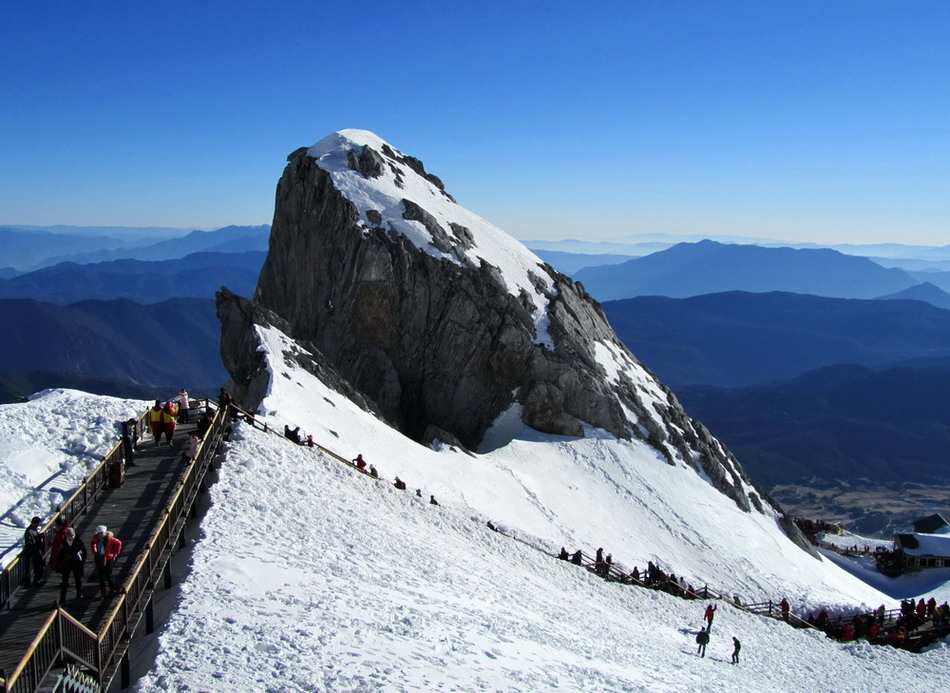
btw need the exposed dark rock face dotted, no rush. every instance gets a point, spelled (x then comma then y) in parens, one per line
(432, 343)
(240, 351)
(442, 347)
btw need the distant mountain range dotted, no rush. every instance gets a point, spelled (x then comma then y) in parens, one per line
(926, 292)
(197, 275)
(692, 269)
(569, 263)
(640, 244)
(739, 338)
(30, 249)
(129, 348)
(841, 422)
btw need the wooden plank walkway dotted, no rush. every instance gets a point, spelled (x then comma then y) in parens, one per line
(131, 512)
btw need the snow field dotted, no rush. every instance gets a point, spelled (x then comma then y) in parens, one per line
(311, 576)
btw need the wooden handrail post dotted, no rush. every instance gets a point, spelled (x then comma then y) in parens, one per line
(59, 632)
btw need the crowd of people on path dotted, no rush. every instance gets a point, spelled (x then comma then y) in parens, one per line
(68, 554)
(163, 419)
(887, 627)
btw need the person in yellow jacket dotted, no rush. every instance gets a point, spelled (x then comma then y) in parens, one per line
(155, 421)
(169, 418)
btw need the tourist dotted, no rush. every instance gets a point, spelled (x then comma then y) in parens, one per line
(34, 543)
(71, 559)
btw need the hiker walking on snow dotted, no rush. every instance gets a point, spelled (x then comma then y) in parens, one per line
(736, 646)
(709, 616)
(702, 637)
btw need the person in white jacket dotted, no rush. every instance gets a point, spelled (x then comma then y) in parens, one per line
(182, 400)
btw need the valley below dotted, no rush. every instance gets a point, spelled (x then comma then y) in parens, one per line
(862, 506)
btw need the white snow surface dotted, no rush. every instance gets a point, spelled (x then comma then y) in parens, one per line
(309, 576)
(520, 268)
(47, 447)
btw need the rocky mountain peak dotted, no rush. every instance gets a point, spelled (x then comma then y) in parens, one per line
(447, 324)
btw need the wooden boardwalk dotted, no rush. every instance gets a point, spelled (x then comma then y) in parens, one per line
(131, 512)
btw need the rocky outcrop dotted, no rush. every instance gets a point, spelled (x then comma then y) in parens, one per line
(430, 342)
(435, 337)
(243, 357)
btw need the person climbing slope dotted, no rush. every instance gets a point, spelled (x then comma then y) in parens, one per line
(702, 638)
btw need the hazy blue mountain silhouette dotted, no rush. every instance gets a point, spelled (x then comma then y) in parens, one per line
(569, 263)
(197, 275)
(692, 269)
(165, 345)
(739, 338)
(228, 239)
(25, 250)
(841, 422)
(926, 292)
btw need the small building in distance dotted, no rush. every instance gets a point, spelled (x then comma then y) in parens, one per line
(932, 524)
(928, 546)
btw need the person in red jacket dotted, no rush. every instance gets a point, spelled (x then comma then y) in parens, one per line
(709, 616)
(169, 419)
(105, 547)
(155, 421)
(784, 606)
(61, 527)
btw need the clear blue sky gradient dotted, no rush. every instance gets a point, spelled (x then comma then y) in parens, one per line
(806, 120)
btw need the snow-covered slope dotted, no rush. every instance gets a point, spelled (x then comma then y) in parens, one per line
(310, 576)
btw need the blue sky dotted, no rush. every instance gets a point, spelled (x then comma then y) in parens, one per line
(826, 121)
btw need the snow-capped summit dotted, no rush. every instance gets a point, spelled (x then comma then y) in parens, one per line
(450, 328)
(393, 191)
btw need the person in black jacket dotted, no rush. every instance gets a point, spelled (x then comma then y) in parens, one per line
(736, 646)
(72, 558)
(702, 638)
(33, 545)
(130, 439)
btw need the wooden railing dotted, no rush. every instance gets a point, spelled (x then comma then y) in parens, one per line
(62, 636)
(17, 571)
(252, 419)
